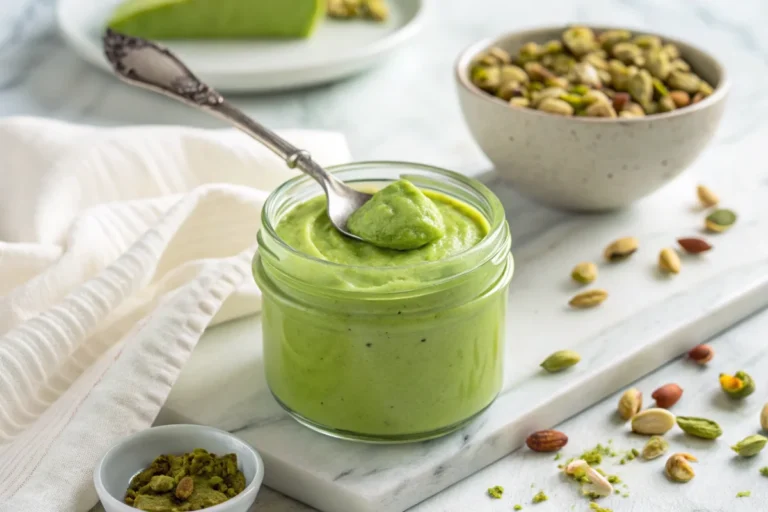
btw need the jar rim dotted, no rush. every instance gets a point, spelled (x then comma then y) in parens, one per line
(497, 220)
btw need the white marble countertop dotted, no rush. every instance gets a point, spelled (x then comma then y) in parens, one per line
(40, 76)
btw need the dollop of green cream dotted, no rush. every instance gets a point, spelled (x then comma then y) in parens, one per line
(400, 217)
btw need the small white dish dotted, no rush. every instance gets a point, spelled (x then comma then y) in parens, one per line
(336, 50)
(134, 453)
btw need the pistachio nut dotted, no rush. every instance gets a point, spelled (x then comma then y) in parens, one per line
(600, 109)
(738, 386)
(520, 102)
(633, 109)
(685, 81)
(588, 299)
(584, 272)
(512, 73)
(653, 421)
(699, 427)
(655, 447)
(621, 249)
(621, 100)
(657, 63)
(537, 97)
(610, 38)
(537, 71)
(681, 98)
(640, 87)
(562, 64)
(510, 90)
(594, 96)
(579, 40)
(376, 10)
(630, 403)
(671, 50)
(501, 55)
(528, 53)
(764, 417)
(705, 89)
(666, 104)
(586, 74)
(553, 46)
(706, 196)
(659, 89)
(720, 220)
(573, 100)
(679, 65)
(560, 360)
(486, 78)
(620, 75)
(555, 106)
(669, 261)
(597, 60)
(628, 53)
(750, 445)
(678, 469)
(647, 42)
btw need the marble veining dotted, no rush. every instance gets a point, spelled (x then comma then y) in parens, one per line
(407, 109)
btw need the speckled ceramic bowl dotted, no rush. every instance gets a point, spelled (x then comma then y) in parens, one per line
(583, 163)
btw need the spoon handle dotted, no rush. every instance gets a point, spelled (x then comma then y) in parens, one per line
(148, 65)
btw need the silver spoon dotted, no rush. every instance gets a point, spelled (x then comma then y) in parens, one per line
(151, 66)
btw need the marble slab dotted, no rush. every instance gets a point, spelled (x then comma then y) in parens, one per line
(648, 320)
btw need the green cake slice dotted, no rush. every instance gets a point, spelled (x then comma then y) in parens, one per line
(217, 19)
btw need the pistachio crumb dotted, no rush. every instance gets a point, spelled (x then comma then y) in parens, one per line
(517, 507)
(625, 495)
(597, 508)
(743, 494)
(539, 497)
(764, 471)
(614, 479)
(495, 492)
(557, 457)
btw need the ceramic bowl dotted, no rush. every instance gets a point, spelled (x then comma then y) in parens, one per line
(584, 163)
(136, 452)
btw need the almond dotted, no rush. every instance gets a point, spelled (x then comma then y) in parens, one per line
(701, 354)
(546, 441)
(667, 395)
(694, 245)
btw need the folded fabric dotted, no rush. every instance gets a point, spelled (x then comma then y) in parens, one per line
(118, 247)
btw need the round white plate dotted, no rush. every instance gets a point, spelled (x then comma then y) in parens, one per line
(337, 49)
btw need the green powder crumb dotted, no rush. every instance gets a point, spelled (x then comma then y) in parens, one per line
(597, 508)
(744, 494)
(539, 497)
(623, 461)
(495, 492)
(764, 471)
(635, 452)
(616, 491)
(533, 485)
(517, 507)
(614, 479)
(595, 456)
(557, 457)
(625, 495)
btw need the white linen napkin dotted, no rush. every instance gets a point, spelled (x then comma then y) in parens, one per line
(118, 247)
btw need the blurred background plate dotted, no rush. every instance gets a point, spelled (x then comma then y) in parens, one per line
(336, 50)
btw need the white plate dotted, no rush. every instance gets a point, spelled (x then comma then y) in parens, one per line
(336, 50)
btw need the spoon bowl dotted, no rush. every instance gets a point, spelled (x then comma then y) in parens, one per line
(151, 66)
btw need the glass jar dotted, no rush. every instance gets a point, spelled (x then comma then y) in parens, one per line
(385, 354)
